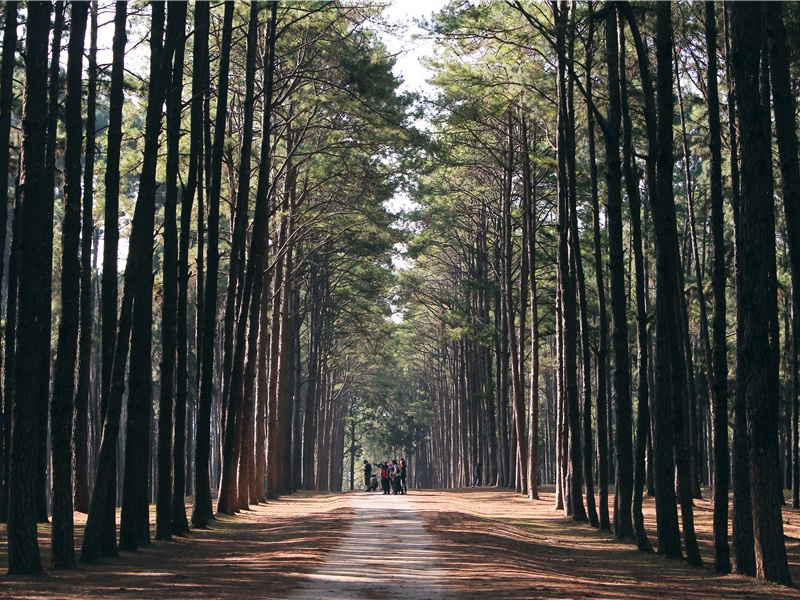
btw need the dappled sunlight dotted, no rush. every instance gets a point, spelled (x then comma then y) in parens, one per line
(503, 544)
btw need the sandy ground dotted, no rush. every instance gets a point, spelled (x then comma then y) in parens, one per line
(473, 543)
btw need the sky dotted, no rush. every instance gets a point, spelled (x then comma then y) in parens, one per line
(408, 50)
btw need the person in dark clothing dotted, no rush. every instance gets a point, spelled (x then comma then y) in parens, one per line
(403, 474)
(477, 479)
(395, 472)
(367, 474)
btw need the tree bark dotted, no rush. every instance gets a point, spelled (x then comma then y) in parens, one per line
(623, 525)
(202, 511)
(54, 92)
(756, 295)
(634, 203)
(81, 416)
(719, 357)
(64, 381)
(167, 401)
(23, 545)
(6, 97)
(786, 135)
(110, 293)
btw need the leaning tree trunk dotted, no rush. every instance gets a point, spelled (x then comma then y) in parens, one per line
(134, 528)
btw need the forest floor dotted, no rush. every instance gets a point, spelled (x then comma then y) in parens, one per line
(469, 543)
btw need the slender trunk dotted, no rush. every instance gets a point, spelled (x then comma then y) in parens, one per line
(108, 536)
(623, 526)
(693, 441)
(6, 97)
(81, 414)
(634, 201)
(134, 528)
(54, 93)
(666, 240)
(602, 344)
(202, 511)
(64, 381)
(533, 402)
(169, 310)
(719, 360)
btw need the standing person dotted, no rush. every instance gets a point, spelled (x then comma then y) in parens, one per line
(367, 474)
(396, 478)
(385, 477)
(477, 479)
(403, 475)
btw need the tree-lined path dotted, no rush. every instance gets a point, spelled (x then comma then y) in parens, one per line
(241, 260)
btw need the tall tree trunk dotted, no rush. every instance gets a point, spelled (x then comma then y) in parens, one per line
(23, 544)
(533, 401)
(6, 97)
(202, 511)
(517, 386)
(693, 440)
(667, 259)
(719, 357)
(64, 382)
(169, 310)
(623, 526)
(786, 134)
(194, 184)
(743, 545)
(233, 393)
(54, 93)
(134, 528)
(108, 539)
(669, 542)
(602, 344)
(634, 202)
(756, 295)
(81, 416)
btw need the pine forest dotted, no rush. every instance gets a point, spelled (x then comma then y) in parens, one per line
(245, 262)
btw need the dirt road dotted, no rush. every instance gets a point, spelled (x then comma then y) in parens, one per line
(485, 544)
(386, 552)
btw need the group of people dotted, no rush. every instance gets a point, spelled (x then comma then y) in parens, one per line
(393, 476)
